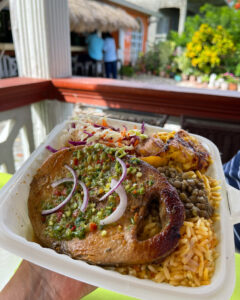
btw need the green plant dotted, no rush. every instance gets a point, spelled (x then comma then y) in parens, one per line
(184, 64)
(191, 25)
(214, 16)
(205, 78)
(237, 70)
(157, 58)
(209, 48)
(230, 78)
(127, 71)
(165, 50)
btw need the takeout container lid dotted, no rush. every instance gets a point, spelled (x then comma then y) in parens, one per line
(16, 234)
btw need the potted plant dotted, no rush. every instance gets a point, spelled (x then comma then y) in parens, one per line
(184, 65)
(162, 72)
(232, 81)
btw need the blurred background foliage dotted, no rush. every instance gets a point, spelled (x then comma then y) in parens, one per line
(209, 44)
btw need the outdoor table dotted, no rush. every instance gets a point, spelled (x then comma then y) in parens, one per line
(100, 293)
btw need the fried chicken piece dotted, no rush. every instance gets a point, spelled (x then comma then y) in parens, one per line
(177, 149)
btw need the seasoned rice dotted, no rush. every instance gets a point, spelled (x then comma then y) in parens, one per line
(193, 262)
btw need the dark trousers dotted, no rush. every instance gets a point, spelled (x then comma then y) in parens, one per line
(111, 69)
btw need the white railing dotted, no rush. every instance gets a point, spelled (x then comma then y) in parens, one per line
(24, 128)
(8, 66)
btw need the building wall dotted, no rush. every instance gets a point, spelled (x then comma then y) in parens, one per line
(157, 5)
(125, 43)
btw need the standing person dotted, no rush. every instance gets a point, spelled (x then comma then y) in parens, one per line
(95, 47)
(110, 55)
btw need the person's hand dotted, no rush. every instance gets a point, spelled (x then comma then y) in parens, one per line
(33, 282)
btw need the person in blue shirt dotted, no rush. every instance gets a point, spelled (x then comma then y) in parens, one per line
(95, 46)
(232, 175)
(109, 56)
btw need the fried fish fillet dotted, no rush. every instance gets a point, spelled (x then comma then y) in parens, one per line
(117, 243)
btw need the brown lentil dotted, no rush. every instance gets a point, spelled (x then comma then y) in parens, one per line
(191, 191)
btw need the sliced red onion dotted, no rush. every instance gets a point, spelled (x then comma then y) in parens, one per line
(85, 197)
(73, 125)
(77, 143)
(85, 190)
(124, 174)
(143, 127)
(88, 133)
(104, 127)
(117, 214)
(133, 139)
(51, 149)
(60, 181)
(52, 210)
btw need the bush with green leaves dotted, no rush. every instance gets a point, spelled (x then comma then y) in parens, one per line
(156, 58)
(127, 71)
(214, 16)
(210, 48)
(184, 64)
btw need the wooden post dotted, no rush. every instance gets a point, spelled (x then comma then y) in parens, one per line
(41, 37)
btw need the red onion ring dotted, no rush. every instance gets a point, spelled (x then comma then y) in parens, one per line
(85, 197)
(124, 174)
(85, 191)
(88, 133)
(77, 143)
(56, 183)
(105, 127)
(51, 149)
(52, 210)
(117, 214)
(133, 139)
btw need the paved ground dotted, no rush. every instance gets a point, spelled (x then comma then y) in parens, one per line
(160, 80)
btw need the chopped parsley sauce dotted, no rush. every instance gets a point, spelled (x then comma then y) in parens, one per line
(95, 166)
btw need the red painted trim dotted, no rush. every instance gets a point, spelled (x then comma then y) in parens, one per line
(151, 98)
(16, 92)
(225, 105)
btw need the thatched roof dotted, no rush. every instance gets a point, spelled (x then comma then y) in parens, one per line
(88, 15)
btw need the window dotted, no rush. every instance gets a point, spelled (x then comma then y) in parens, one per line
(169, 21)
(136, 42)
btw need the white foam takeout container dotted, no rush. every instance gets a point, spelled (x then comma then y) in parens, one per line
(16, 234)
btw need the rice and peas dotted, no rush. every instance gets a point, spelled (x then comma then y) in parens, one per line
(193, 261)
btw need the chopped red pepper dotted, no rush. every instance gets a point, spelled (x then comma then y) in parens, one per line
(75, 161)
(73, 228)
(56, 192)
(92, 227)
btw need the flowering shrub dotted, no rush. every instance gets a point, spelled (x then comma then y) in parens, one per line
(157, 58)
(230, 78)
(209, 47)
